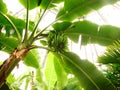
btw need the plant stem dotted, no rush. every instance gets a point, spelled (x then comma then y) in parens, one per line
(41, 47)
(35, 28)
(10, 63)
(27, 22)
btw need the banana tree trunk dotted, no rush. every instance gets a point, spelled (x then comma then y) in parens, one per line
(10, 63)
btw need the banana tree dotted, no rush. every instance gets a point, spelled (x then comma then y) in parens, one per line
(21, 44)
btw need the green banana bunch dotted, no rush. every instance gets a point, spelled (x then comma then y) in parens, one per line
(57, 41)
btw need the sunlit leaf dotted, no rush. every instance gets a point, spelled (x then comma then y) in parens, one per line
(78, 8)
(32, 59)
(60, 72)
(39, 75)
(3, 7)
(88, 75)
(49, 71)
(93, 33)
(11, 79)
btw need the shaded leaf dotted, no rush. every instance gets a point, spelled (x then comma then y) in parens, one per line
(88, 75)
(61, 26)
(4, 87)
(92, 33)
(78, 8)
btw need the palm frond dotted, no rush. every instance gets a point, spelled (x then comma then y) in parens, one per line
(112, 54)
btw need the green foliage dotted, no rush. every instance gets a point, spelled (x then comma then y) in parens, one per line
(78, 8)
(32, 4)
(19, 23)
(112, 54)
(113, 73)
(32, 59)
(93, 33)
(61, 26)
(8, 44)
(86, 73)
(49, 72)
(57, 41)
(60, 72)
(60, 63)
(44, 3)
(3, 7)
(73, 84)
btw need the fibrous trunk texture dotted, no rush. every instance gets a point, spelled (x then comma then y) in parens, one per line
(9, 64)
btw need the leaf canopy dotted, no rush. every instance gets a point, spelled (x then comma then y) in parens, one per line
(86, 73)
(78, 8)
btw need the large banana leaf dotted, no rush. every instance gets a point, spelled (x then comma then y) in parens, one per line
(93, 33)
(19, 23)
(77, 8)
(88, 75)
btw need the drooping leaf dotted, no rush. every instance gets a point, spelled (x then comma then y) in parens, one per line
(32, 59)
(77, 8)
(49, 71)
(92, 33)
(3, 7)
(60, 72)
(88, 75)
